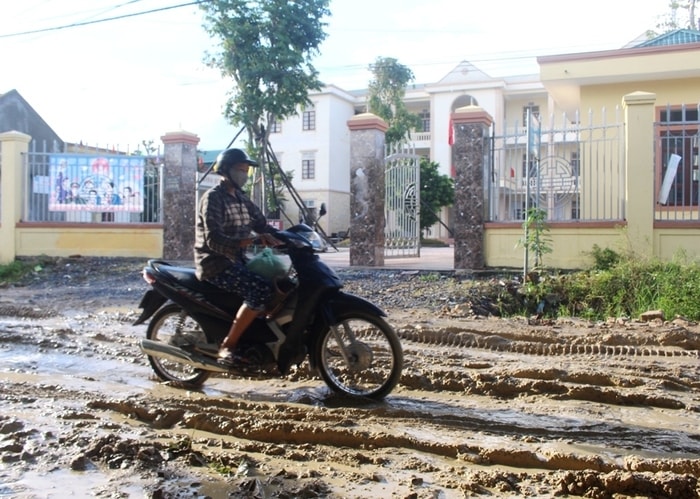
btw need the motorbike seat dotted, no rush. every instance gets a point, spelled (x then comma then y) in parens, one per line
(185, 276)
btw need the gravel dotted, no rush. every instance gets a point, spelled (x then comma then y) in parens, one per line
(119, 279)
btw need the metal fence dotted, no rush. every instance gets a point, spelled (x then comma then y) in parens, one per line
(574, 171)
(677, 173)
(98, 186)
(402, 201)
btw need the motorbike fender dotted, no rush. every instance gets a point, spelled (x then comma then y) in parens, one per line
(150, 302)
(342, 302)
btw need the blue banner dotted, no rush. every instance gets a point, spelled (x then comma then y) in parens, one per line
(81, 182)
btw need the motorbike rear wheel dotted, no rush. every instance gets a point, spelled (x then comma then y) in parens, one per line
(168, 323)
(360, 356)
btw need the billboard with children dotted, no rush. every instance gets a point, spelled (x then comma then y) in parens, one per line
(107, 183)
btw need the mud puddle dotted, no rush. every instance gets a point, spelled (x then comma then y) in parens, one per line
(484, 407)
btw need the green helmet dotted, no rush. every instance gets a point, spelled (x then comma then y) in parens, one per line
(226, 159)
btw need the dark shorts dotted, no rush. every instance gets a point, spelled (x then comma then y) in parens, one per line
(255, 289)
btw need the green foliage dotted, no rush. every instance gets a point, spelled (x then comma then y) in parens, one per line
(604, 258)
(14, 271)
(536, 239)
(627, 288)
(386, 97)
(266, 48)
(431, 277)
(436, 191)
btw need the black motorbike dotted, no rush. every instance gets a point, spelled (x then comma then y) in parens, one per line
(345, 338)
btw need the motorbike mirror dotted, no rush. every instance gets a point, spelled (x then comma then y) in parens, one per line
(322, 211)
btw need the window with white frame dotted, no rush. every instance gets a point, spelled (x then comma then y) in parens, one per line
(274, 126)
(576, 208)
(425, 120)
(575, 162)
(534, 111)
(308, 166)
(532, 171)
(677, 167)
(308, 118)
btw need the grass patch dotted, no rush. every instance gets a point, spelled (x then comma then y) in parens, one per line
(15, 271)
(617, 286)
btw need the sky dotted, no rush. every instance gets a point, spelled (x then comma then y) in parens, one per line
(120, 82)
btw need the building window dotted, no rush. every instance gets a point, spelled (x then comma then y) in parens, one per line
(425, 120)
(308, 166)
(534, 111)
(677, 173)
(275, 126)
(308, 119)
(575, 162)
(575, 208)
(533, 171)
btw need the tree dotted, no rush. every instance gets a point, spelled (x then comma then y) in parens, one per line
(266, 47)
(675, 19)
(536, 239)
(436, 191)
(386, 92)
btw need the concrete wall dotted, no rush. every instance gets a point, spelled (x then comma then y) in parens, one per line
(25, 239)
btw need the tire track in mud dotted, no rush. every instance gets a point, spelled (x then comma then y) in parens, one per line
(465, 419)
(287, 426)
(229, 431)
(472, 361)
(467, 339)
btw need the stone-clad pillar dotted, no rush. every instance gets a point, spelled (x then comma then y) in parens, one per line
(367, 150)
(179, 194)
(469, 153)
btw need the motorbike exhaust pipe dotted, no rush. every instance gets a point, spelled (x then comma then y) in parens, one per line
(164, 351)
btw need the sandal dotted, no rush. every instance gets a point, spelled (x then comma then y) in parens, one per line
(229, 358)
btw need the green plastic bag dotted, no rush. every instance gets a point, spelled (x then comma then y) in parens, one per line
(268, 265)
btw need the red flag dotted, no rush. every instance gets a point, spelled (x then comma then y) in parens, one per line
(451, 133)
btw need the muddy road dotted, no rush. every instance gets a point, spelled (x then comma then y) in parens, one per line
(485, 406)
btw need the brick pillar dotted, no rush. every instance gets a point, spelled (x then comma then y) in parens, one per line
(639, 170)
(179, 194)
(469, 153)
(367, 150)
(12, 190)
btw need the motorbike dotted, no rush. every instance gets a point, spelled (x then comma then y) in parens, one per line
(346, 339)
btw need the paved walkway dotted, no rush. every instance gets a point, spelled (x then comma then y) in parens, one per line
(438, 259)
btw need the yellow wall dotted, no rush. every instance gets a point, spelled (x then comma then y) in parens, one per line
(672, 243)
(572, 246)
(609, 96)
(90, 240)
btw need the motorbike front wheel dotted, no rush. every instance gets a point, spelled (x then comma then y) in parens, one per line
(360, 356)
(167, 325)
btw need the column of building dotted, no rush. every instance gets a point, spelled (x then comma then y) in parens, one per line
(469, 156)
(367, 153)
(179, 194)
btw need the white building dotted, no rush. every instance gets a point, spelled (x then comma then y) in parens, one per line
(315, 144)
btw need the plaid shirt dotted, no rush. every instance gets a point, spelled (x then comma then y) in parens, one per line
(223, 221)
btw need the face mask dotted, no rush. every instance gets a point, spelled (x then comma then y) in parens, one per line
(238, 177)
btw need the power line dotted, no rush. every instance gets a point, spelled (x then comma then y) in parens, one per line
(106, 19)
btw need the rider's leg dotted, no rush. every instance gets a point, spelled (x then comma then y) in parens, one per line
(244, 317)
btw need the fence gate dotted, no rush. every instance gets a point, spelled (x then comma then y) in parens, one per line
(402, 202)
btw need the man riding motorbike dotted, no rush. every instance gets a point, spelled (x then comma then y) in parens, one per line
(226, 220)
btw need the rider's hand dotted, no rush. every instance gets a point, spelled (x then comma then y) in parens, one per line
(269, 240)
